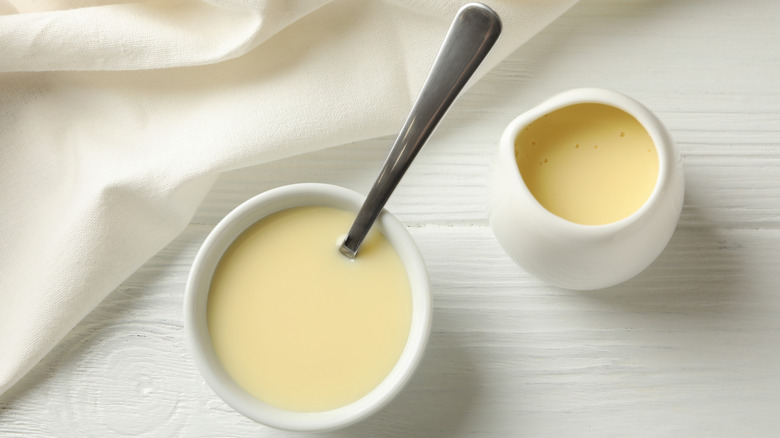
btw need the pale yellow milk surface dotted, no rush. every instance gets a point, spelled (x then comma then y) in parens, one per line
(300, 326)
(588, 163)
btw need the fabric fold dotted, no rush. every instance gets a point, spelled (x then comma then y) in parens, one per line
(142, 35)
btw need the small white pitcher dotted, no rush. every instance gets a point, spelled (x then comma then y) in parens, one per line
(576, 256)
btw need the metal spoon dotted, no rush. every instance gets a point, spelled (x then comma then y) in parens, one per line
(471, 36)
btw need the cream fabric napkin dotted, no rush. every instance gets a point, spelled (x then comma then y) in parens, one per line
(116, 118)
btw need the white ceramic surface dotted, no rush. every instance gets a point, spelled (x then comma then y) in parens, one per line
(576, 256)
(197, 293)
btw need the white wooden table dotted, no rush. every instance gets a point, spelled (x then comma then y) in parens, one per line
(691, 347)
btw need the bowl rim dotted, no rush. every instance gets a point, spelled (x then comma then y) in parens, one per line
(196, 295)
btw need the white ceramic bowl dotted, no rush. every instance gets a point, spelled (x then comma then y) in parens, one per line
(571, 255)
(197, 290)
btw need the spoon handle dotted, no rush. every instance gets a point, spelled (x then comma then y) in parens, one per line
(471, 36)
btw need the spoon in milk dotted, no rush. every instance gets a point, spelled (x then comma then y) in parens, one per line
(471, 36)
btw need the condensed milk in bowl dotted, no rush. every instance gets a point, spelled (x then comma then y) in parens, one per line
(290, 332)
(586, 189)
